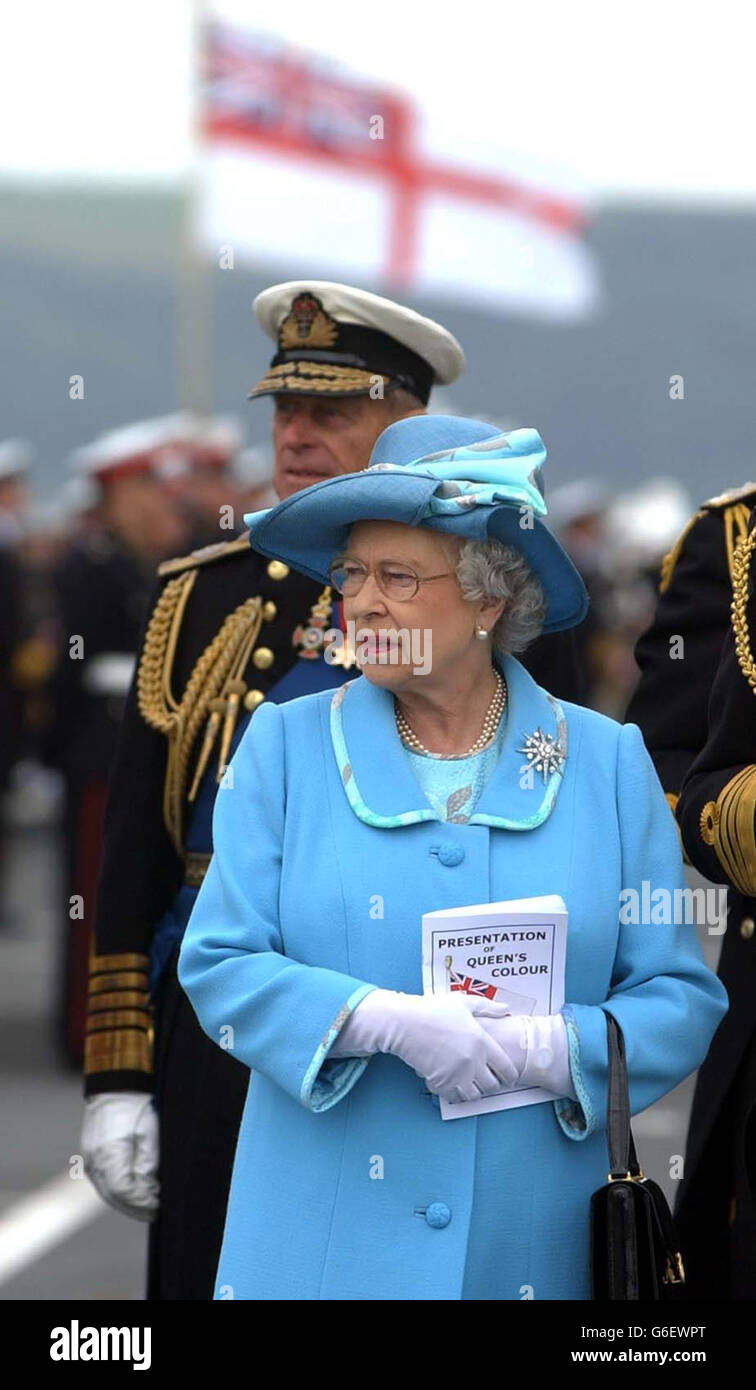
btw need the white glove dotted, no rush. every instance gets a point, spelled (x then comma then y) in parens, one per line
(120, 1146)
(436, 1035)
(537, 1046)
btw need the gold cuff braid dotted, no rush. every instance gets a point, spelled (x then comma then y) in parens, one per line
(728, 826)
(119, 1028)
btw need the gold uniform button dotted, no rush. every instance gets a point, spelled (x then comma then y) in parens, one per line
(747, 928)
(277, 569)
(709, 822)
(263, 658)
(253, 698)
(269, 611)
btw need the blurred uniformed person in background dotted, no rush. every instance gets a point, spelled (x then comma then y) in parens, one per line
(102, 588)
(200, 474)
(679, 658)
(229, 629)
(253, 478)
(577, 514)
(641, 525)
(15, 457)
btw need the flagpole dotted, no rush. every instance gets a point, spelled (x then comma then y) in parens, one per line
(195, 283)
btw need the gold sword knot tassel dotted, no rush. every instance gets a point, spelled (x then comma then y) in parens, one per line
(217, 710)
(235, 690)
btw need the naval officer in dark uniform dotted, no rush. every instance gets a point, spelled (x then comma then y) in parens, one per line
(102, 587)
(680, 689)
(716, 817)
(228, 630)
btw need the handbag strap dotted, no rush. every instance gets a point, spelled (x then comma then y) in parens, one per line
(622, 1156)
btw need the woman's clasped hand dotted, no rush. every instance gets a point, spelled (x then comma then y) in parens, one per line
(440, 1038)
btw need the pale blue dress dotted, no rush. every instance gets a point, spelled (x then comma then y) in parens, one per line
(454, 785)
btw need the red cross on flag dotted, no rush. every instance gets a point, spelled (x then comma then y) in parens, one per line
(322, 172)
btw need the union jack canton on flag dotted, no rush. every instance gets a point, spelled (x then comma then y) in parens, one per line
(468, 985)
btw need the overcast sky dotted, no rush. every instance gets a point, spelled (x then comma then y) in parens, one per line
(646, 98)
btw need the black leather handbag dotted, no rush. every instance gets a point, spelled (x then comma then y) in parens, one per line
(634, 1252)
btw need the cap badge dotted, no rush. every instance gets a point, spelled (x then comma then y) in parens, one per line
(307, 324)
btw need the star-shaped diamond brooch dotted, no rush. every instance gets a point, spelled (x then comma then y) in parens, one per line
(543, 753)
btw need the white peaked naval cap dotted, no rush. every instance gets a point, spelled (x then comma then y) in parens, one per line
(334, 339)
(148, 444)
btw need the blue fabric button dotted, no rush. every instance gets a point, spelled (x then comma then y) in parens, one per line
(451, 855)
(438, 1215)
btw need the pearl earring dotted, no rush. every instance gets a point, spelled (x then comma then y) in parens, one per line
(481, 632)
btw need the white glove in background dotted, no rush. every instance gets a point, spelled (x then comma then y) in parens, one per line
(436, 1035)
(537, 1045)
(120, 1147)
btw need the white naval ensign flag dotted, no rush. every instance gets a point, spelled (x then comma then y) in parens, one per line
(322, 172)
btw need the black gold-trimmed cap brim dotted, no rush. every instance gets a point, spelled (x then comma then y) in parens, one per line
(316, 379)
(360, 316)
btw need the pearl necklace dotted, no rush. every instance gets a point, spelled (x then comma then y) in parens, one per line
(490, 725)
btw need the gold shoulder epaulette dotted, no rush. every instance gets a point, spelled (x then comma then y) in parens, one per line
(205, 556)
(673, 555)
(733, 494)
(735, 506)
(735, 511)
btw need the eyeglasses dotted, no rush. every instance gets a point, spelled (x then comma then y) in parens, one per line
(394, 581)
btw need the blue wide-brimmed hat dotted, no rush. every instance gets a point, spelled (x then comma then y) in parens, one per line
(459, 476)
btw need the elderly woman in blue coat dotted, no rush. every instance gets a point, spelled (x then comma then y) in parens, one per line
(424, 785)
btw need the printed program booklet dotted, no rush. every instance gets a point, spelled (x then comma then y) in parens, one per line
(511, 952)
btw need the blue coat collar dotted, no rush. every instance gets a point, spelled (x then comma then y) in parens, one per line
(378, 779)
